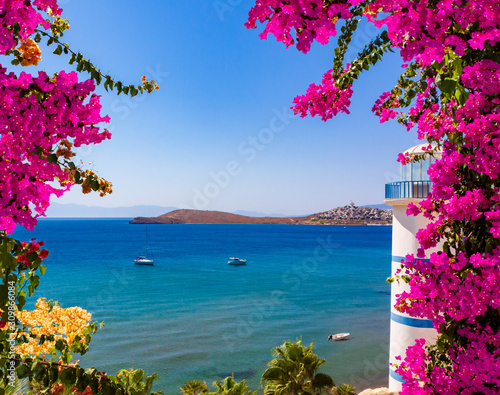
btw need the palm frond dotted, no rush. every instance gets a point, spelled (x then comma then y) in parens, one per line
(322, 381)
(293, 371)
(344, 389)
(194, 387)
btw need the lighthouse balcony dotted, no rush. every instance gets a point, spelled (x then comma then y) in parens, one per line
(408, 189)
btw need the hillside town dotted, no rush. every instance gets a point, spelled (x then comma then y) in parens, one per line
(354, 215)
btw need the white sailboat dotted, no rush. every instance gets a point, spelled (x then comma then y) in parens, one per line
(144, 260)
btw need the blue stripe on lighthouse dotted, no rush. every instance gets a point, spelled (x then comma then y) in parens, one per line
(398, 259)
(396, 376)
(413, 322)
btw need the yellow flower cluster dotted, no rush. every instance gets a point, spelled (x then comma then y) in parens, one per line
(105, 187)
(30, 53)
(59, 26)
(149, 85)
(62, 323)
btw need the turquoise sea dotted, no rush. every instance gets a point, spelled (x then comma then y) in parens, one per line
(192, 316)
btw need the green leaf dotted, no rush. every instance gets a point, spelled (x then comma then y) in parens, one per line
(52, 158)
(437, 66)
(68, 376)
(138, 376)
(272, 374)
(448, 86)
(457, 67)
(109, 80)
(322, 380)
(38, 371)
(58, 50)
(98, 78)
(53, 373)
(94, 74)
(21, 301)
(59, 345)
(461, 95)
(446, 248)
(34, 283)
(23, 371)
(105, 387)
(8, 261)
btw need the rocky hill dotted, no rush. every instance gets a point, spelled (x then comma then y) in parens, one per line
(348, 215)
(213, 217)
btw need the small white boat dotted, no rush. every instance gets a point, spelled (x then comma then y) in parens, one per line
(339, 336)
(143, 260)
(237, 261)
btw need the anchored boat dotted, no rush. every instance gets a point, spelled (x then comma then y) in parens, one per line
(237, 261)
(144, 260)
(339, 336)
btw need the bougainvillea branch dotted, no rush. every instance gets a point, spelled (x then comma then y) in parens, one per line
(42, 119)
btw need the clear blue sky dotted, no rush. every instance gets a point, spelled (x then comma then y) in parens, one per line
(220, 86)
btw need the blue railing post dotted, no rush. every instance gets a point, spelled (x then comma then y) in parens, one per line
(408, 189)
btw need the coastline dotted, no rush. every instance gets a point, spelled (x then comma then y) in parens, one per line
(341, 216)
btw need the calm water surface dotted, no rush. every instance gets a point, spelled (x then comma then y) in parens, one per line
(192, 316)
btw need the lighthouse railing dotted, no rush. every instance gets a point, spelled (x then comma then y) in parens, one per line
(408, 189)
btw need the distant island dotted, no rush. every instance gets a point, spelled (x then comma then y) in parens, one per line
(347, 215)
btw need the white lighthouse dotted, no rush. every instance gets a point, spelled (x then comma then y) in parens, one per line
(413, 187)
